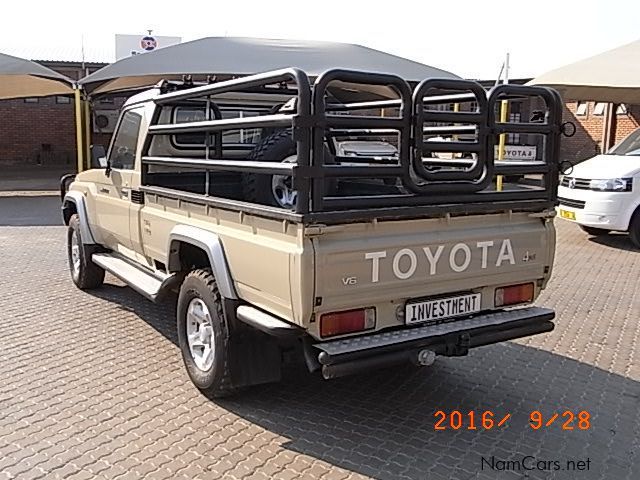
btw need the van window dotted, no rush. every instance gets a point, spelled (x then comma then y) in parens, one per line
(629, 146)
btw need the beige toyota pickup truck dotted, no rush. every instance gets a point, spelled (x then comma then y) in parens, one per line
(318, 219)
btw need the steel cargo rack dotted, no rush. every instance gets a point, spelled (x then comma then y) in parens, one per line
(416, 182)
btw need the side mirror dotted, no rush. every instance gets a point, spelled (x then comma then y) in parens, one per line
(98, 156)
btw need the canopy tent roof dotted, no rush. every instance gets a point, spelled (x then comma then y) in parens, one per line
(227, 56)
(612, 76)
(21, 78)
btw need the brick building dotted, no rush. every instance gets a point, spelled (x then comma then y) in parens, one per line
(589, 118)
(40, 132)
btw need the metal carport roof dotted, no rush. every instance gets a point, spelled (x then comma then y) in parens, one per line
(21, 78)
(612, 76)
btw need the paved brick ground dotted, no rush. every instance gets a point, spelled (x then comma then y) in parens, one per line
(92, 386)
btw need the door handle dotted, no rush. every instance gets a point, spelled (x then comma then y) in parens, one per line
(104, 190)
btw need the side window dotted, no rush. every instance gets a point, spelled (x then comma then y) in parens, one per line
(123, 150)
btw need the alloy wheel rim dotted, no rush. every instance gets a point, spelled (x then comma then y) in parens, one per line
(75, 253)
(200, 336)
(282, 187)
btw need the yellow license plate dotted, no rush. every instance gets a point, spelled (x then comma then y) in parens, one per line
(567, 214)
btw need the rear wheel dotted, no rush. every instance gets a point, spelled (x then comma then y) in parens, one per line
(84, 273)
(203, 334)
(634, 228)
(593, 231)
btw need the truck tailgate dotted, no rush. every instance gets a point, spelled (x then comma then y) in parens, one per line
(363, 264)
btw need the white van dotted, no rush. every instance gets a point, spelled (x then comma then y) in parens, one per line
(602, 194)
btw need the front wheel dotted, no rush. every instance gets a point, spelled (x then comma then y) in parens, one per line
(634, 229)
(84, 273)
(203, 334)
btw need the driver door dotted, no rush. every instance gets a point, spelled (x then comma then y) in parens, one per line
(113, 191)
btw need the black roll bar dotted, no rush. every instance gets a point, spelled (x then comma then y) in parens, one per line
(429, 183)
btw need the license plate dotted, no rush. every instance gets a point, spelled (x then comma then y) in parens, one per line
(567, 214)
(441, 308)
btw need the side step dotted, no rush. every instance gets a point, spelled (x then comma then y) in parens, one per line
(145, 282)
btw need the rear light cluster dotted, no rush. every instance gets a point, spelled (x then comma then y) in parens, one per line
(513, 294)
(348, 321)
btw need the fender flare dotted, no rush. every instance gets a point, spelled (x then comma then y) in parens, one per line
(77, 198)
(211, 244)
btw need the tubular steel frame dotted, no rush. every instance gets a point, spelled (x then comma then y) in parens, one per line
(438, 192)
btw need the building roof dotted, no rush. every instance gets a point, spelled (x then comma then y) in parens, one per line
(68, 53)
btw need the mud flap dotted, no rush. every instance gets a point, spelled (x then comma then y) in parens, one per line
(254, 358)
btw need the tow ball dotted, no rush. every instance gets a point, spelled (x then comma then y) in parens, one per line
(425, 357)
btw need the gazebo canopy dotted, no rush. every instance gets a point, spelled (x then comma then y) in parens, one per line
(21, 78)
(612, 76)
(228, 56)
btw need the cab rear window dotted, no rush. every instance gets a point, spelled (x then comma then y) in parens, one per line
(245, 136)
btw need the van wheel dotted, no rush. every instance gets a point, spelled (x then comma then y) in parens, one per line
(593, 231)
(203, 334)
(634, 229)
(84, 273)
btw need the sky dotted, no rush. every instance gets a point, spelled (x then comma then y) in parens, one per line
(469, 38)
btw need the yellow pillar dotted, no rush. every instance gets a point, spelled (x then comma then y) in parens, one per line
(79, 136)
(504, 110)
(87, 133)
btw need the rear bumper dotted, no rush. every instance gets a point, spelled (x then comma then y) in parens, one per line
(351, 355)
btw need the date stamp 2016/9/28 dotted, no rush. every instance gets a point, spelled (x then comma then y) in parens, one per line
(488, 420)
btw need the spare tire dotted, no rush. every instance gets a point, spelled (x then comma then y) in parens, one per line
(274, 190)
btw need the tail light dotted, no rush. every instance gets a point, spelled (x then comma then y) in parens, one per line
(513, 294)
(348, 321)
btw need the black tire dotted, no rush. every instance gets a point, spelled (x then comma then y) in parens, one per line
(86, 274)
(215, 381)
(634, 228)
(593, 231)
(274, 148)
